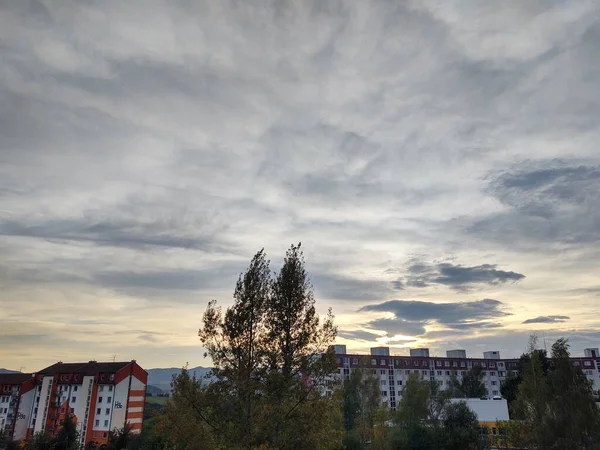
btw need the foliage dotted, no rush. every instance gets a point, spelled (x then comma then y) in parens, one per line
(270, 358)
(68, 436)
(426, 419)
(362, 408)
(470, 386)
(461, 430)
(40, 441)
(558, 402)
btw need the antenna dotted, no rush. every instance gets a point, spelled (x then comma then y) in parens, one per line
(21, 369)
(114, 358)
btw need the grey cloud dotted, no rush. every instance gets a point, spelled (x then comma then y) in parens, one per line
(131, 233)
(360, 335)
(411, 316)
(341, 287)
(445, 313)
(548, 319)
(456, 276)
(397, 326)
(548, 201)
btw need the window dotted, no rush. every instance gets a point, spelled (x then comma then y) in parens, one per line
(382, 362)
(111, 377)
(424, 373)
(108, 399)
(439, 373)
(354, 361)
(384, 382)
(110, 387)
(493, 383)
(501, 373)
(384, 393)
(492, 374)
(101, 388)
(97, 423)
(74, 388)
(107, 411)
(454, 364)
(399, 382)
(438, 363)
(72, 410)
(447, 363)
(99, 411)
(494, 392)
(73, 399)
(104, 435)
(462, 364)
(447, 373)
(382, 372)
(62, 410)
(587, 363)
(106, 423)
(95, 434)
(99, 399)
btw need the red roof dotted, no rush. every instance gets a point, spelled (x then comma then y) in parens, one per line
(88, 368)
(15, 378)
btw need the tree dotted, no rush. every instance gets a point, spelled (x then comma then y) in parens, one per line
(184, 422)
(470, 386)
(40, 441)
(361, 406)
(418, 415)
(68, 436)
(574, 414)
(236, 344)
(270, 358)
(297, 355)
(461, 430)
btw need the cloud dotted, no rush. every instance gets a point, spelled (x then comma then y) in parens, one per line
(143, 164)
(360, 335)
(455, 276)
(412, 316)
(547, 319)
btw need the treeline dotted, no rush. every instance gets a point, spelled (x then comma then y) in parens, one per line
(273, 364)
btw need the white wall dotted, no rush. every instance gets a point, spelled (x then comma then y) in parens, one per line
(23, 415)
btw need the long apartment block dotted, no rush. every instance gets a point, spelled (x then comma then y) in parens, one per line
(393, 371)
(99, 396)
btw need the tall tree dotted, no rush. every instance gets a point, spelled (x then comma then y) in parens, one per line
(236, 345)
(68, 436)
(461, 429)
(361, 405)
(470, 386)
(298, 359)
(574, 414)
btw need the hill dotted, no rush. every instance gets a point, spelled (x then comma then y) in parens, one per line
(161, 378)
(8, 371)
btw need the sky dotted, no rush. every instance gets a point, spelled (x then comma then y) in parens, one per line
(438, 161)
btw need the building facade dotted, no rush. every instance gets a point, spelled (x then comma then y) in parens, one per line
(393, 371)
(99, 396)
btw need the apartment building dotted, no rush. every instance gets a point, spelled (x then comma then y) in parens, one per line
(99, 396)
(10, 386)
(393, 371)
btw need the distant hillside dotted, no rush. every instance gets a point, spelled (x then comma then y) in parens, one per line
(161, 378)
(8, 371)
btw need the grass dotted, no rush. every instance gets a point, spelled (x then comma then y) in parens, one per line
(157, 400)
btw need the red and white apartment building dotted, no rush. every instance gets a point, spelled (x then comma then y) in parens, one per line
(99, 396)
(393, 371)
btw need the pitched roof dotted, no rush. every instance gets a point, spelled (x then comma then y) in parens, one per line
(88, 368)
(14, 378)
